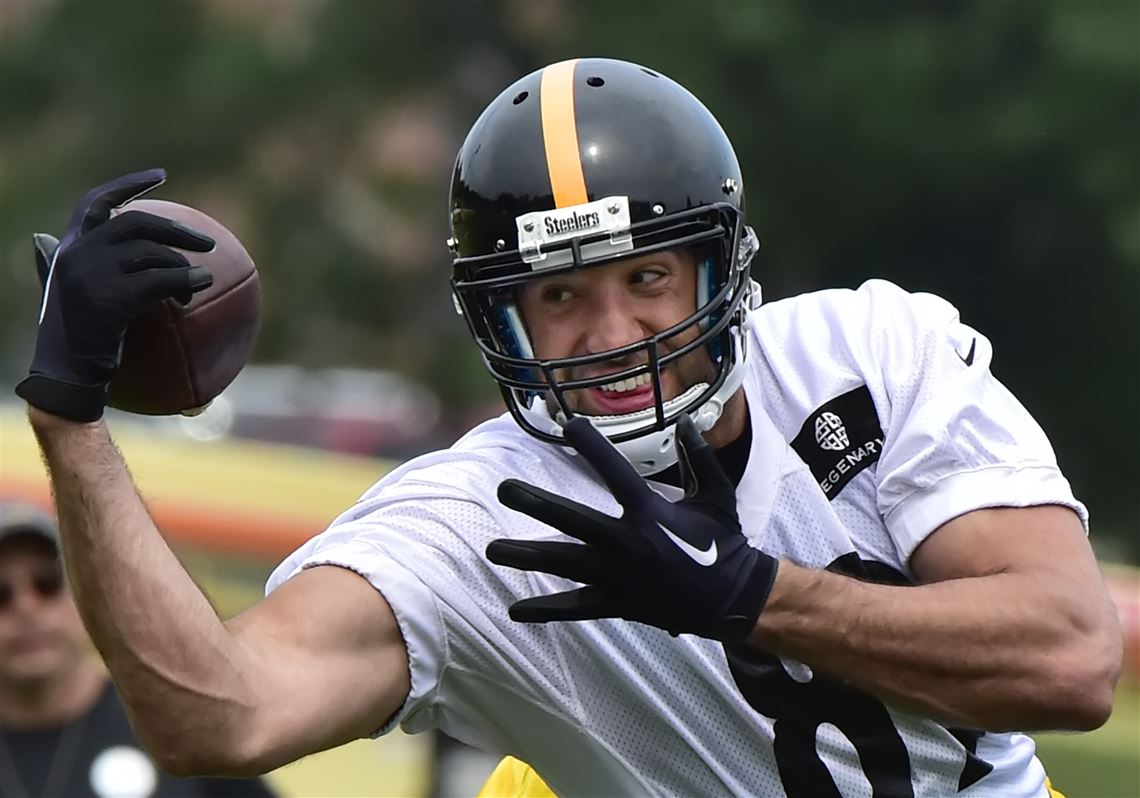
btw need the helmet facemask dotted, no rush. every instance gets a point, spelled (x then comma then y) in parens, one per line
(540, 392)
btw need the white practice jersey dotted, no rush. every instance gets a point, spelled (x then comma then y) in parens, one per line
(875, 419)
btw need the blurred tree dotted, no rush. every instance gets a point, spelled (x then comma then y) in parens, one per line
(983, 151)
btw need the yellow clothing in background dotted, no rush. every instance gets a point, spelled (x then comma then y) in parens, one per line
(513, 778)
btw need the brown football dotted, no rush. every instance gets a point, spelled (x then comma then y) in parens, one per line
(177, 359)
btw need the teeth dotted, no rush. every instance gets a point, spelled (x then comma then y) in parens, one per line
(621, 386)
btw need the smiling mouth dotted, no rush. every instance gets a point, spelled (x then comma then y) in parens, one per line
(620, 397)
(626, 385)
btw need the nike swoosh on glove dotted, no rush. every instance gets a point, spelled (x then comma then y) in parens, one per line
(684, 567)
(96, 280)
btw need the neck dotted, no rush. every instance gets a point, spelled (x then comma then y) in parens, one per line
(54, 701)
(731, 423)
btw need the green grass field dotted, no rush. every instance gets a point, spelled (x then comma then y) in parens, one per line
(1100, 764)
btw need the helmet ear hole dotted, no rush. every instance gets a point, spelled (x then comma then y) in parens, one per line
(595, 82)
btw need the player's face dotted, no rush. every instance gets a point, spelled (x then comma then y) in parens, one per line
(41, 634)
(608, 307)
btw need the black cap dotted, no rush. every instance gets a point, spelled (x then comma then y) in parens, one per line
(21, 518)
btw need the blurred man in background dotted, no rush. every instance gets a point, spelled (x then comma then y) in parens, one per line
(63, 731)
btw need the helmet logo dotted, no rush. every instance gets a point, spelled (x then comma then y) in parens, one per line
(577, 221)
(540, 230)
(830, 433)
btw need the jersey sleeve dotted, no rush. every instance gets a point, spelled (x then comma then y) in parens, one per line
(419, 536)
(956, 439)
(404, 542)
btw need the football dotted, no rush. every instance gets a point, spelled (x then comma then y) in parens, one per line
(177, 359)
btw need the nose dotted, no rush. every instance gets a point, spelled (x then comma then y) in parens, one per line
(612, 321)
(23, 600)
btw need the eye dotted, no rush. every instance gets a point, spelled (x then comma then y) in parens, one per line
(647, 276)
(556, 294)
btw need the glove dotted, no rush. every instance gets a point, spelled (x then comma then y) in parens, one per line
(684, 567)
(96, 280)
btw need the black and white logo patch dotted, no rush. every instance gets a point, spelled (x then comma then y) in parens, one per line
(830, 432)
(840, 439)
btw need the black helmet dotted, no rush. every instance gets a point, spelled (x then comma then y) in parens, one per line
(579, 164)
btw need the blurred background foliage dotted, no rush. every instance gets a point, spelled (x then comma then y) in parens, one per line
(985, 151)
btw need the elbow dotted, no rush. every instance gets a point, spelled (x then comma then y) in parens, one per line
(195, 754)
(174, 752)
(1080, 689)
(1082, 713)
(188, 762)
(180, 764)
(178, 760)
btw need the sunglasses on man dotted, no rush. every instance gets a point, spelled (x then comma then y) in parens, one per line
(46, 585)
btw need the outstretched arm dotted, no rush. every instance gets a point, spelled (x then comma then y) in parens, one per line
(318, 663)
(1012, 629)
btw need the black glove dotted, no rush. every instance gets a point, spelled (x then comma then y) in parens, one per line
(96, 280)
(684, 567)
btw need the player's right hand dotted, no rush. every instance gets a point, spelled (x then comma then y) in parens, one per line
(96, 280)
(680, 566)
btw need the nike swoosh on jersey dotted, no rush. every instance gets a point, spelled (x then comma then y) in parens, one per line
(968, 358)
(704, 557)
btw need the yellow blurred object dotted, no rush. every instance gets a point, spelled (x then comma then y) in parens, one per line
(513, 778)
(233, 497)
(396, 765)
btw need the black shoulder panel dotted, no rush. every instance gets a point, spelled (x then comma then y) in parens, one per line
(839, 439)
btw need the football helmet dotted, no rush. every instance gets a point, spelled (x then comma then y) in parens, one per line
(583, 163)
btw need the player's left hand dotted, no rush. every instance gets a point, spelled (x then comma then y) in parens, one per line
(684, 567)
(105, 270)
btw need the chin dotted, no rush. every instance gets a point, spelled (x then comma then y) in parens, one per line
(34, 666)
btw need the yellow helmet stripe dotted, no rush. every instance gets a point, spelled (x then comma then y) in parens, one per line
(560, 134)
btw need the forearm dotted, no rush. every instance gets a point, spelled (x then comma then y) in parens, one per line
(172, 658)
(994, 652)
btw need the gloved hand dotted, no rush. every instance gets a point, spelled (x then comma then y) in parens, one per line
(96, 280)
(682, 567)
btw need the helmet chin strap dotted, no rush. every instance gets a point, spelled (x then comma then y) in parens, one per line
(655, 451)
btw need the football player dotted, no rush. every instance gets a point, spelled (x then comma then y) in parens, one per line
(714, 547)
